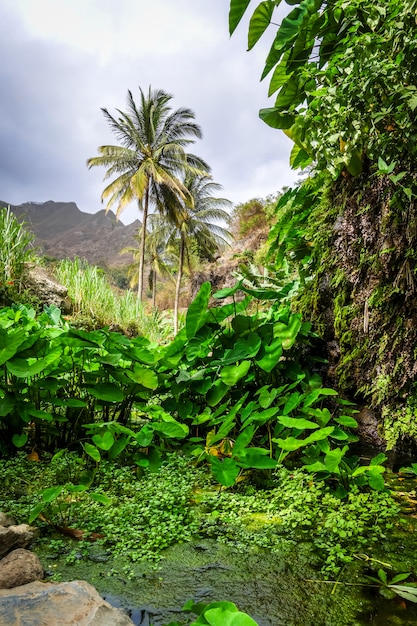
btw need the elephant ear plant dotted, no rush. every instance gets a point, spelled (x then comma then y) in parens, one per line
(238, 387)
(248, 387)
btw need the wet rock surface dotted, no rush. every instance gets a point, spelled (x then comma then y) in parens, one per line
(19, 567)
(74, 603)
(13, 537)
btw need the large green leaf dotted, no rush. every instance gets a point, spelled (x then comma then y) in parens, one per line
(92, 451)
(26, 368)
(224, 617)
(231, 374)
(10, 343)
(276, 119)
(236, 12)
(291, 443)
(270, 355)
(108, 392)
(171, 429)
(225, 471)
(104, 441)
(197, 311)
(259, 22)
(288, 333)
(143, 376)
(296, 422)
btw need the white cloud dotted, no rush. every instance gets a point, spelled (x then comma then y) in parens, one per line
(67, 59)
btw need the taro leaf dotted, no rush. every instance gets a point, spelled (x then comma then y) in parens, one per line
(378, 459)
(225, 471)
(231, 374)
(236, 12)
(10, 343)
(260, 417)
(293, 401)
(143, 376)
(141, 354)
(227, 292)
(171, 429)
(288, 333)
(299, 423)
(51, 493)
(24, 368)
(100, 497)
(314, 395)
(197, 311)
(376, 480)
(92, 451)
(118, 447)
(36, 511)
(104, 441)
(271, 355)
(7, 405)
(274, 118)
(43, 415)
(108, 392)
(266, 397)
(224, 617)
(241, 323)
(243, 349)
(144, 436)
(347, 421)
(333, 458)
(217, 392)
(243, 439)
(339, 434)
(20, 440)
(257, 458)
(259, 22)
(291, 443)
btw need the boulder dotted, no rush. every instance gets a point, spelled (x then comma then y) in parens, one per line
(74, 603)
(6, 519)
(19, 567)
(12, 537)
(47, 289)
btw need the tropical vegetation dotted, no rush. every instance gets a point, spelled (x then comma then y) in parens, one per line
(242, 425)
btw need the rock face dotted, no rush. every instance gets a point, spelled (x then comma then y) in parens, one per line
(13, 537)
(20, 567)
(47, 289)
(73, 603)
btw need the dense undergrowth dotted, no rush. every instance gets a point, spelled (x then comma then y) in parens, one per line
(138, 517)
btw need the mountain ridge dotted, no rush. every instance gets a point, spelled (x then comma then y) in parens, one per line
(62, 231)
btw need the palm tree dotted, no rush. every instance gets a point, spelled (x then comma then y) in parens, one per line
(197, 225)
(152, 154)
(159, 254)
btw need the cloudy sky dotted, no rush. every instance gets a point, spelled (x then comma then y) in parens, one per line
(62, 60)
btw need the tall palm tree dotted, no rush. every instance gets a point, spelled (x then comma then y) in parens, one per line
(197, 224)
(159, 253)
(152, 153)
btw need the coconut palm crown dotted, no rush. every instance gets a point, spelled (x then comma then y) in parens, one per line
(152, 153)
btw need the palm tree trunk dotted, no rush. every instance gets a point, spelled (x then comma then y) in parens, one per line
(142, 243)
(153, 290)
(178, 285)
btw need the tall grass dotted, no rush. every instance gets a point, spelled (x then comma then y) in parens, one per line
(16, 248)
(94, 298)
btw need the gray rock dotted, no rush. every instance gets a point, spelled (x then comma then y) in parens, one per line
(6, 519)
(74, 603)
(12, 537)
(47, 289)
(20, 567)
